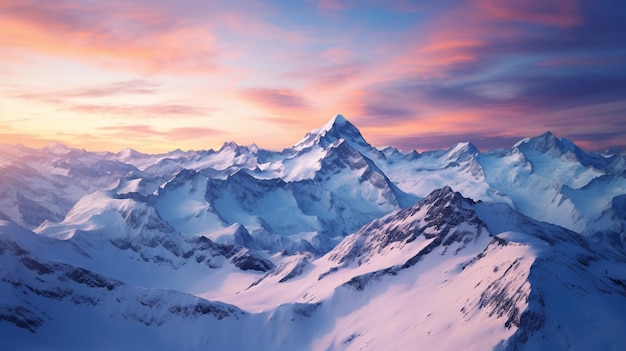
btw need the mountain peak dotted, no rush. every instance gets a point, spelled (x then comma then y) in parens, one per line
(229, 145)
(467, 146)
(58, 148)
(440, 214)
(462, 152)
(337, 128)
(445, 195)
(547, 143)
(129, 153)
(254, 148)
(339, 121)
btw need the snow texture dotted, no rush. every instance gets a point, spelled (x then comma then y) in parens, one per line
(331, 244)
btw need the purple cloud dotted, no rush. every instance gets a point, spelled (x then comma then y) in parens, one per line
(276, 98)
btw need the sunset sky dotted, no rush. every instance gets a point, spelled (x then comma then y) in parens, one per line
(156, 75)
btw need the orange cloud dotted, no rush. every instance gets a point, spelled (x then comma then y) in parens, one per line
(140, 111)
(276, 99)
(137, 38)
(130, 87)
(74, 100)
(176, 134)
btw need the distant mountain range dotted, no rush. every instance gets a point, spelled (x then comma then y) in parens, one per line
(330, 244)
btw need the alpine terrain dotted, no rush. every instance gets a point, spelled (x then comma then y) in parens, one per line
(330, 244)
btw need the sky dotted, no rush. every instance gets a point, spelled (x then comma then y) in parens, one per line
(156, 75)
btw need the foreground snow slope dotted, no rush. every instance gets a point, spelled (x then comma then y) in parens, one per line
(447, 273)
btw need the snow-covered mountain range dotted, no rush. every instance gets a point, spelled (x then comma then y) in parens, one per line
(329, 244)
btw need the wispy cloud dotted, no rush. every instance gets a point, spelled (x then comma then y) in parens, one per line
(131, 36)
(328, 77)
(276, 99)
(176, 134)
(85, 100)
(140, 111)
(130, 87)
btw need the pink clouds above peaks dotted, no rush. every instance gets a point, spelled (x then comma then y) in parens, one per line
(266, 71)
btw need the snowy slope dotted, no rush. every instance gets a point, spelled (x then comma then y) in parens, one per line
(550, 179)
(546, 177)
(39, 185)
(447, 273)
(245, 248)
